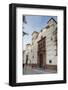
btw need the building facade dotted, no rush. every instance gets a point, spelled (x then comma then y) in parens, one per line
(42, 52)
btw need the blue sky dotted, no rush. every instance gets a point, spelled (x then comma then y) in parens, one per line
(34, 23)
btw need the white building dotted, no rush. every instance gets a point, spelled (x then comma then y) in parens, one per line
(42, 52)
(27, 56)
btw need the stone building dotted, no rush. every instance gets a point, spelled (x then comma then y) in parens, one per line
(27, 56)
(42, 52)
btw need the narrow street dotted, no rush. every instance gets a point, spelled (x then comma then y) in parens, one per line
(29, 70)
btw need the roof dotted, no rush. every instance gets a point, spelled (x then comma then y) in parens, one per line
(53, 20)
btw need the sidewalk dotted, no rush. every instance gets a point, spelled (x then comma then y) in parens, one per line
(29, 70)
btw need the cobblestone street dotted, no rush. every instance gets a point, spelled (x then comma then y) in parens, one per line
(29, 70)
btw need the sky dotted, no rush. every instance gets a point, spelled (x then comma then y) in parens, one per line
(34, 23)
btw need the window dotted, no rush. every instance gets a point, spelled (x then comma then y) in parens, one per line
(50, 61)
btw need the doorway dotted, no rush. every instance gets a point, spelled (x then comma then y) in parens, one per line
(26, 59)
(41, 60)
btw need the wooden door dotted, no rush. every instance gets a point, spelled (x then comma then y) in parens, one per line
(41, 60)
